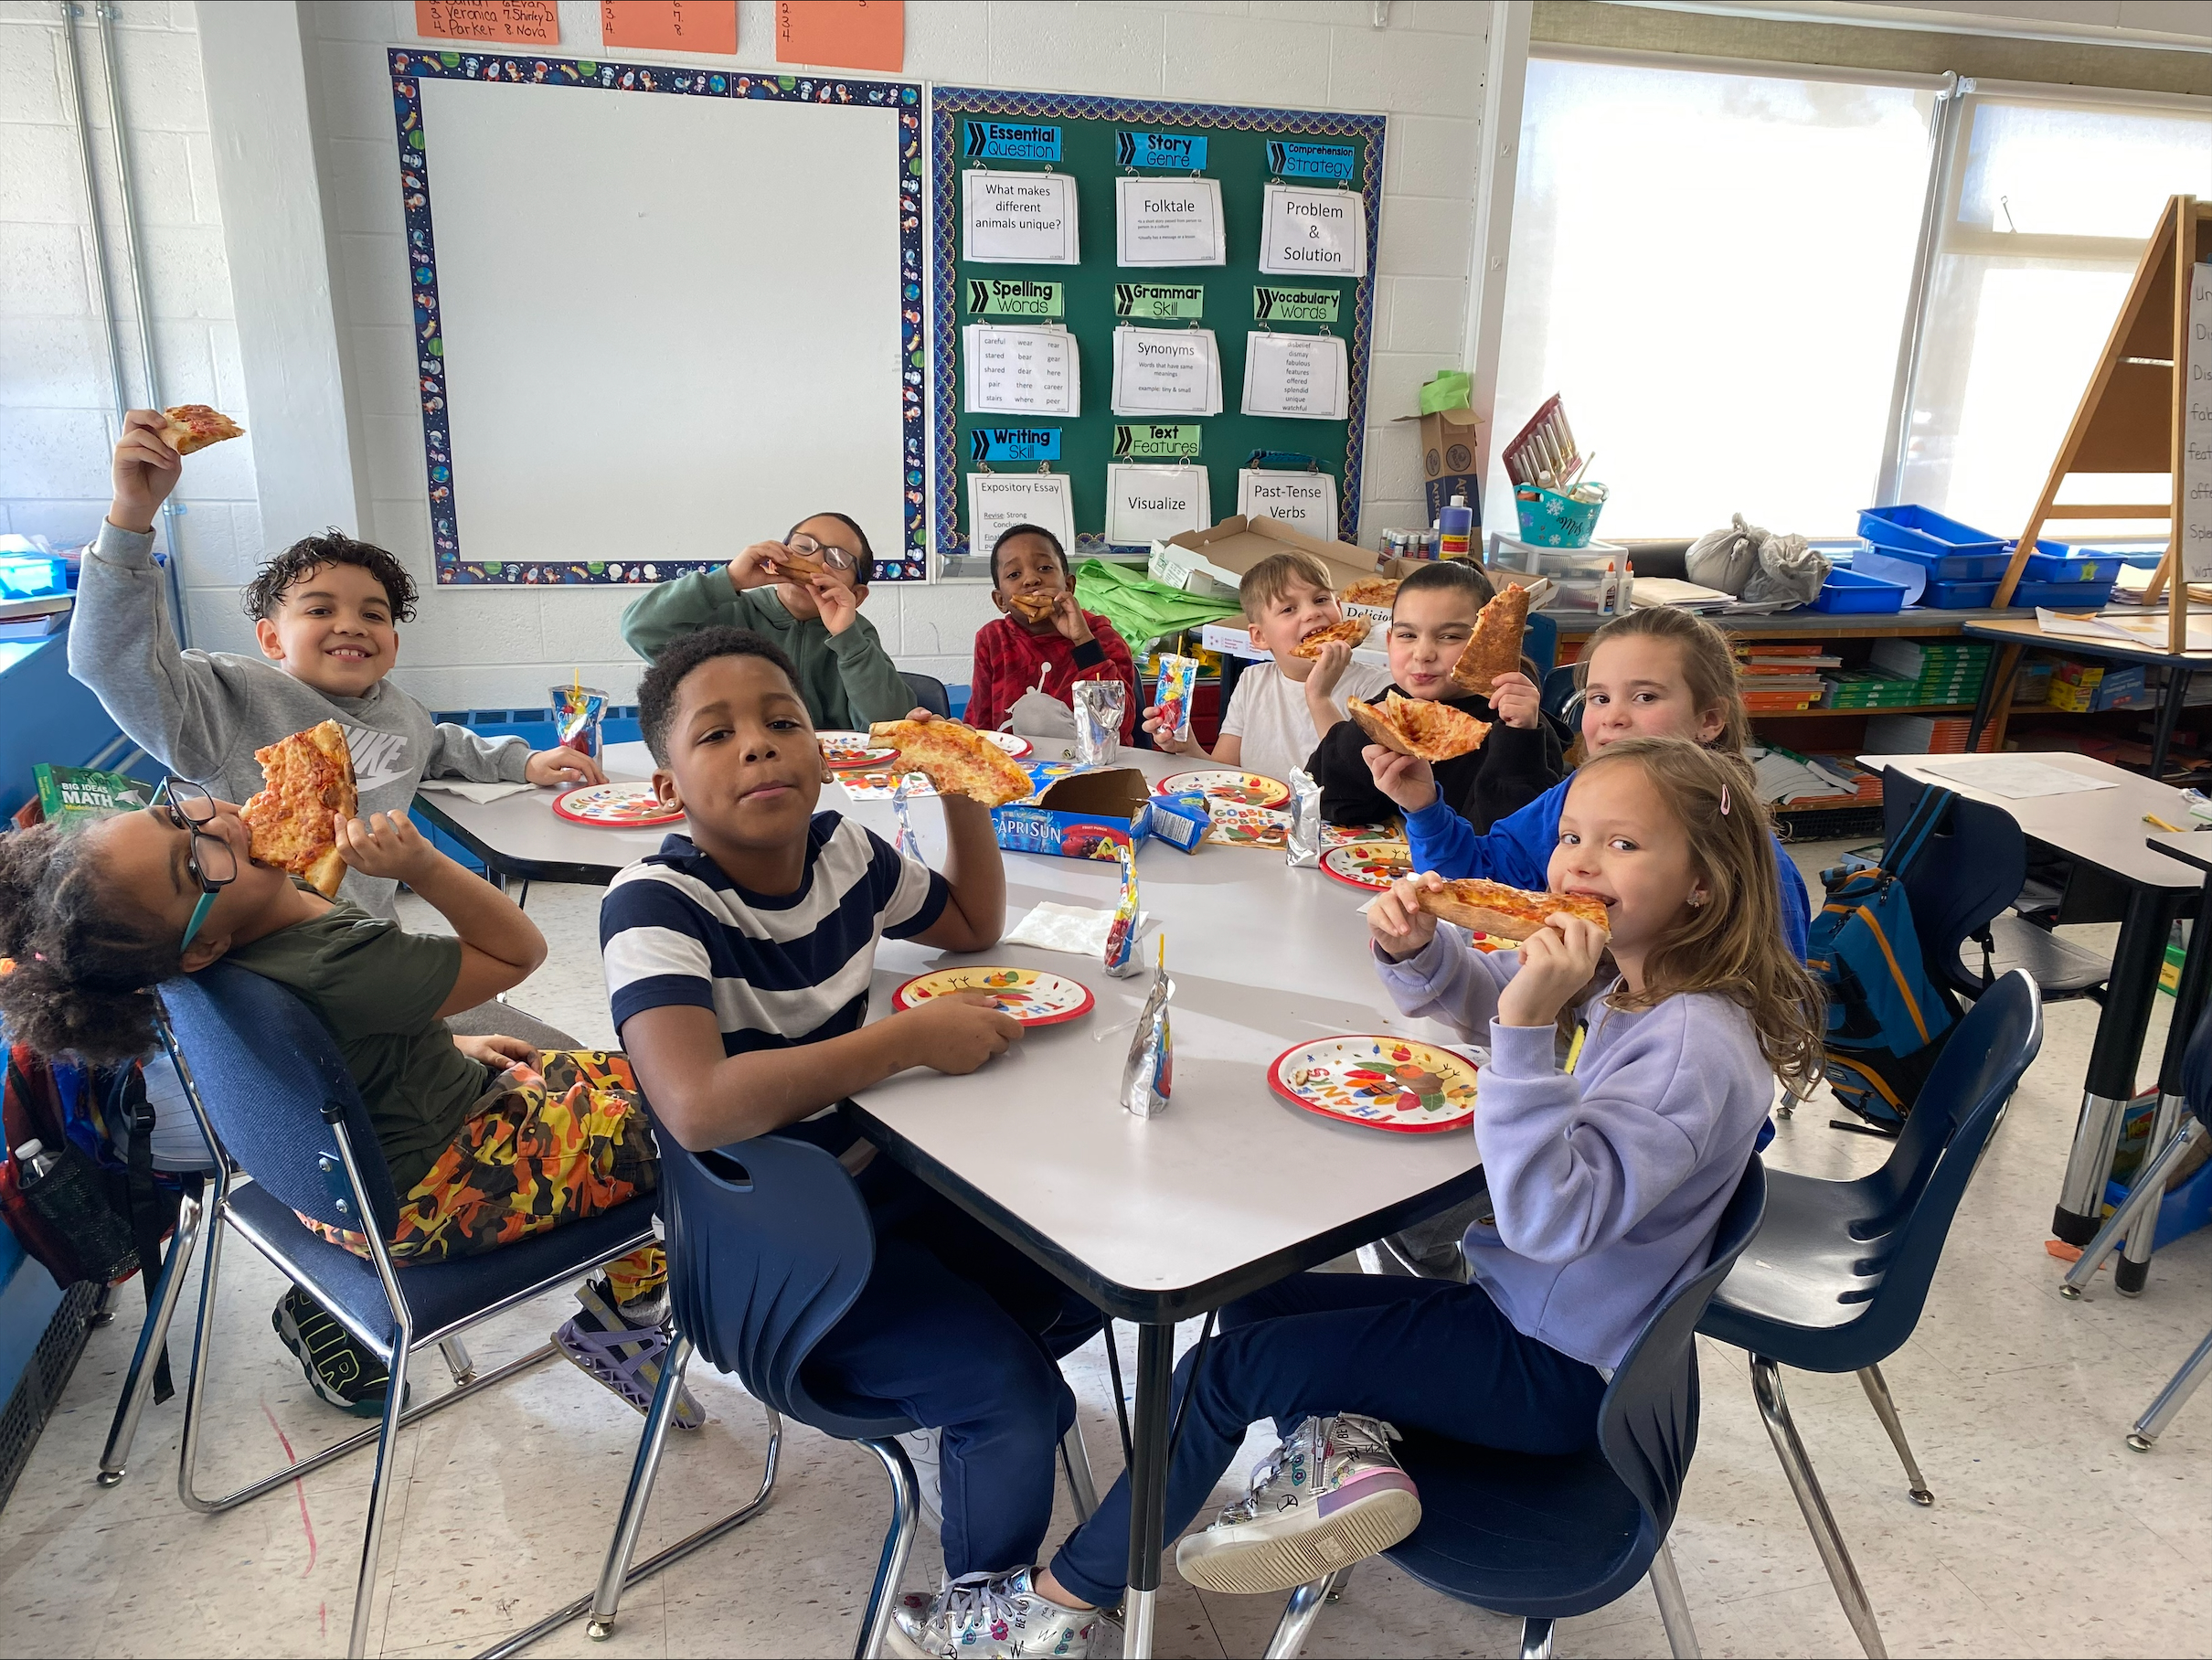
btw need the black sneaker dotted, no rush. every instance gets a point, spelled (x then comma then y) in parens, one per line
(344, 1373)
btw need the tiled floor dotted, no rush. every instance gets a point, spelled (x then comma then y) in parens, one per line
(2047, 1535)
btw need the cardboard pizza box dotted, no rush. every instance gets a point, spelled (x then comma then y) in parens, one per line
(1214, 561)
(1080, 817)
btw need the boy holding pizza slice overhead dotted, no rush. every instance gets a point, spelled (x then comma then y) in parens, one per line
(327, 612)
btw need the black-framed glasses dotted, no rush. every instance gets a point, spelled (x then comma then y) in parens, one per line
(835, 558)
(212, 861)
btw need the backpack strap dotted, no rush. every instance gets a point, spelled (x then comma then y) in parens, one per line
(150, 1211)
(1928, 812)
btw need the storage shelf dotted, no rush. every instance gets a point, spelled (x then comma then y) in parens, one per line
(1909, 708)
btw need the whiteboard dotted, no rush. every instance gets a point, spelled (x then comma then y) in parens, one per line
(670, 324)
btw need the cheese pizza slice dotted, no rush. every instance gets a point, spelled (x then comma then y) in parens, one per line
(957, 759)
(1414, 726)
(194, 426)
(1370, 590)
(307, 778)
(796, 566)
(1032, 606)
(1352, 631)
(1495, 647)
(1493, 907)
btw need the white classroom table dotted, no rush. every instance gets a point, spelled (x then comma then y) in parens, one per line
(1154, 1220)
(2104, 828)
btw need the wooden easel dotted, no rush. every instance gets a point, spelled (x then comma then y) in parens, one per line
(2131, 417)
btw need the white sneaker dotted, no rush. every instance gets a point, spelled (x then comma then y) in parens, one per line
(922, 1452)
(990, 1616)
(1329, 1495)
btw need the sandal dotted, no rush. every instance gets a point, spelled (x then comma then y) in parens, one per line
(625, 1358)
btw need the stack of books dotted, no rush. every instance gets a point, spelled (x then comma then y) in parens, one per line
(1925, 735)
(1941, 671)
(1782, 677)
(1852, 689)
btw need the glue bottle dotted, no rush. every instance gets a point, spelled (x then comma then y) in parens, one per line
(1456, 524)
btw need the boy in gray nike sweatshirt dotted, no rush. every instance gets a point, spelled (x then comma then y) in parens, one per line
(327, 612)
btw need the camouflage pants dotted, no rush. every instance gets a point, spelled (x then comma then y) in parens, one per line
(539, 1148)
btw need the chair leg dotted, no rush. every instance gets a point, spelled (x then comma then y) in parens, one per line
(1339, 1582)
(1674, 1608)
(457, 1361)
(202, 1341)
(1788, 1109)
(379, 1500)
(1075, 1459)
(2150, 1186)
(646, 1469)
(1298, 1616)
(138, 1383)
(897, 1544)
(2172, 1398)
(1536, 1639)
(1766, 1388)
(1877, 1392)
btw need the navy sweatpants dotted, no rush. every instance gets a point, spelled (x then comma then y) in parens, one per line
(961, 1330)
(1421, 1354)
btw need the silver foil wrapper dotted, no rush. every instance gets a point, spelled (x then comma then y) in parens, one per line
(908, 844)
(1147, 1076)
(1099, 705)
(1304, 806)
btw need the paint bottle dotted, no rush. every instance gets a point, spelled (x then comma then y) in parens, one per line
(1456, 524)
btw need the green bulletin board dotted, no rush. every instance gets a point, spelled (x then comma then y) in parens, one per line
(1246, 150)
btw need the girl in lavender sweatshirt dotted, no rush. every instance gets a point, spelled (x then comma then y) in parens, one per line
(1628, 1077)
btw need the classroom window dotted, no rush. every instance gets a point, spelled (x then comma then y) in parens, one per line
(2049, 204)
(1714, 269)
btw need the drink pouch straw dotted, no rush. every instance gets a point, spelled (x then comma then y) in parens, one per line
(1304, 845)
(907, 843)
(1148, 1075)
(1178, 675)
(1121, 935)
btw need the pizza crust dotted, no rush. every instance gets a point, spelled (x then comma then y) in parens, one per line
(797, 567)
(307, 779)
(957, 759)
(1493, 907)
(1494, 648)
(1032, 606)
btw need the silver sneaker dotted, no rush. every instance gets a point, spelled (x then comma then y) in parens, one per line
(990, 1616)
(924, 1451)
(1327, 1496)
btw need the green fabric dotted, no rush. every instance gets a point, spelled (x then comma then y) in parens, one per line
(847, 680)
(379, 989)
(1452, 389)
(1141, 610)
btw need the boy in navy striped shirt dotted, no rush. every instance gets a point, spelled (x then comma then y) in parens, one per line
(738, 961)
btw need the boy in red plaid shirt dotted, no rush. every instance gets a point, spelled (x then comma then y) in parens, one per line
(1041, 632)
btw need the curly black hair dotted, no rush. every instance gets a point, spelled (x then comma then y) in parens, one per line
(1011, 531)
(86, 958)
(310, 554)
(656, 692)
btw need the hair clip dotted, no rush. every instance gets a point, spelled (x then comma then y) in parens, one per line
(1724, 800)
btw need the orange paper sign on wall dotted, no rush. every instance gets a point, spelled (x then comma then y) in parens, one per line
(846, 34)
(671, 26)
(509, 22)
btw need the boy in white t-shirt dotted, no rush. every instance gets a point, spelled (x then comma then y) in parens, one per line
(1282, 709)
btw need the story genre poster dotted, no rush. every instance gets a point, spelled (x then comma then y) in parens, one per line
(509, 22)
(842, 34)
(670, 25)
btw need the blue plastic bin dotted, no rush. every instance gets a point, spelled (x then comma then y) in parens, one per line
(1959, 596)
(2063, 596)
(1847, 590)
(1916, 530)
(2056, 562)
(1950, 567)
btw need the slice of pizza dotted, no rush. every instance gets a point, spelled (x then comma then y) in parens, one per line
(957, 759)
(1352, 631)
(1032, 606)
(1495, 647)
(307, 778)
(1493, 907)
(798, 567)
(1414, 726)
(1370, 590)
(194, 426)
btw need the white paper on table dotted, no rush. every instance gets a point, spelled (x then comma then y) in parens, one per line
(479, 793)
(1021, 371)
(1148, 504)
(1165, 371)
(1302, 376)
(1023, 219)
(1168, 221)
(999, 500)
(1074, 929)
(1305, 232)
(1306, 501)
(2015, 777)
(2147, 630)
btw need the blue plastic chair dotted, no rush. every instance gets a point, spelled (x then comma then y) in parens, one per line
(276, 1101)
(1557, 693)
(1840, 1273)
(769, 1244)
(1547, 1539)
(927, 692)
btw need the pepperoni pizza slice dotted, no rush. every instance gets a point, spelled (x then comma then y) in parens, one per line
(957, 759)
(307, 778)
(1494, 908)
(1414, 726)
(194, 426)
(1495, 647)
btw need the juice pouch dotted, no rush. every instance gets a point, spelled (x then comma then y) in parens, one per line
(1178, 676)
(1148, 1075)
(1121, 934)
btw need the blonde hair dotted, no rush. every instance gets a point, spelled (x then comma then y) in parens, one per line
(1731, 945)
(1270, 579)
(1708, 665)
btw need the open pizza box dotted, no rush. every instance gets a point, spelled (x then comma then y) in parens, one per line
(1081, 816)
(1213, 561)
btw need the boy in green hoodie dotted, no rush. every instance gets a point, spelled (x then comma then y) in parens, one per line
(804, 593)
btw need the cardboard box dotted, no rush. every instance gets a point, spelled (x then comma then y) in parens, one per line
(1213, 561)
(1450, 447)
(2123, 688)
(1181, 820)
(1080, 817)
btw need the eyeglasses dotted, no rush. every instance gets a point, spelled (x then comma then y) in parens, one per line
(835, 558)
(212, 861)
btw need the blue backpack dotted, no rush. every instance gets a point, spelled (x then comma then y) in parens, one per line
(1888, 1018)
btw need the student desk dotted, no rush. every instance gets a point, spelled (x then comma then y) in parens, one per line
(1154, 1220)
(2105, 828)
(2016, 632)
